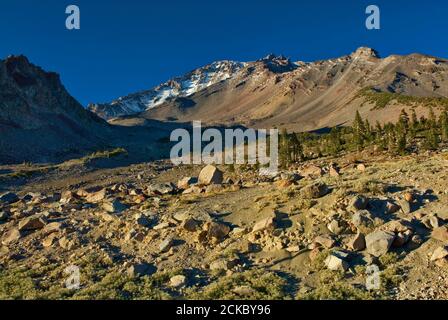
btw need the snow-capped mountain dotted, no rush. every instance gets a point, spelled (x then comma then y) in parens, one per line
(179, 87)
(300, 96)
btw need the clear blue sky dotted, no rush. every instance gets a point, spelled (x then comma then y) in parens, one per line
(126, 46)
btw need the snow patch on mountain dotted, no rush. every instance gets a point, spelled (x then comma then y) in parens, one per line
(179, 87)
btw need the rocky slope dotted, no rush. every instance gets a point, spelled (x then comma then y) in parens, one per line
(38, 118)
(301, 96)
(310, 233)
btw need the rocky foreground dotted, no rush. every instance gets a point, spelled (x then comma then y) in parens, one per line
(154, 231)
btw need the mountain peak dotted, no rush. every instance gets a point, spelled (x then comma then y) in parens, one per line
(278, 64)
(365, 52)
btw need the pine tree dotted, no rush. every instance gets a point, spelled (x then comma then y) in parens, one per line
(414, 125)
(431, 139)
(404, 120)
(379, 136)
(432, 120)
(359, 131)
(334, 142)
(401, 129)
(284, 152)
(297, 149)
(444, 125)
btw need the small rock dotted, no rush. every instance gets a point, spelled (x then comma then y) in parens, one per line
(265, 224)
(392, 207)
(50, 240)
(335, 227)
(293, 249)
(31, 224)
(141, 269)
(210, 175)
(166, 244)
(214, 188)
(334, 172)
(283, 184)
(439, 253)
(325, 240)
(405, 206)
(114, 206)
(94, 197)
(361, 167)
(11, 236)
(244, 291)
(431, 222)
(181, 216)
(335, 263)
(162, 188)
(416, 240)
(358, 243)
(217, 231)
(440, 233)
(362, 218)
(3, 216)
(66, 243)
(107, 217)
(67, 197)
(162, 226)
(358, 203)
(193, 190)
(409, 197)
(401, 239)
(53, 227)
(190, 225)
(315, 191)
(223, 264)
(178, 281)
(186, 183)
(312, 171)
(378, 243)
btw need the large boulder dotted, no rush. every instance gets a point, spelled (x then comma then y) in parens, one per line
(210, 175)
(378, 243)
